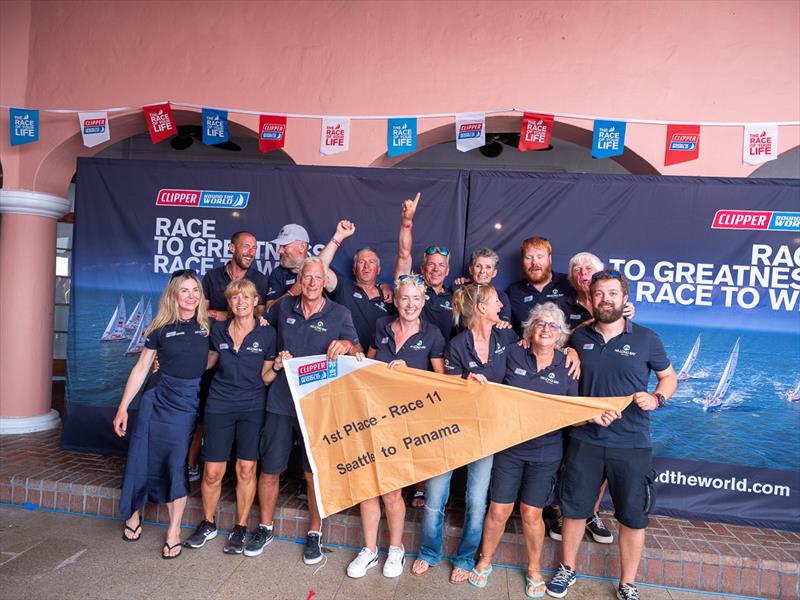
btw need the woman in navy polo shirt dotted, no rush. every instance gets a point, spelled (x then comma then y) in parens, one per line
(528, 470)
(477, 353)
(159, 442)
(407, 341)
(244, 352)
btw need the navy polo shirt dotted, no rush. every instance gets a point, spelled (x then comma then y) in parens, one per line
(280, 280)
(182, 349)
(438, 310)
(521, 372)
(417, 351)
(237, 385)
(524, 296)
(619, 368)
(216, 280)
(304, 337)
(460, 357)
(574, 311)
(365, 310)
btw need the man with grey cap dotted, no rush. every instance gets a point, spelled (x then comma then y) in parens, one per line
(293, 243)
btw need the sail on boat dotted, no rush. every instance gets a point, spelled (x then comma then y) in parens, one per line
(794, 394)
(137, 343)
(136, 316)
(683, 374)
(115, 330)
(717, 399)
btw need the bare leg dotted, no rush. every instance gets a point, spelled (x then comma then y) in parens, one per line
(631, 544)
(245, 489)
(210, 488)
(571, 536)
(395, 517)
(370, 517)
(533, 532)
(493, 529)
(315, 522)
(175, 509)
(600, 497)
(268, 487)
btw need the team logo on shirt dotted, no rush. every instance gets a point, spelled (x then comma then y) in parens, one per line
(551, 379)
(173, 333)
(588, 346)
(625, 351)
(527, 299)
(427, 297)
(382, 306)
(291, 320)
(473, 364)
(223, 346)
(254, 347)
(358, 295)
(499, 349)
(290, 281)
(446, 305)
(385, 339)
(519, 371)
(417, 346)
(574, 317)
(319, 327)
(554, 294)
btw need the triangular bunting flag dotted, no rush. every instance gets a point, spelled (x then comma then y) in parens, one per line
(271, 132)
(160, 121)
(94, 128)
(335, 136)
(535, 132)
(470, 131)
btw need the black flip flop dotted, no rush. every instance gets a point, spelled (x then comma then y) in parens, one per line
(169, 548)
(133, 531)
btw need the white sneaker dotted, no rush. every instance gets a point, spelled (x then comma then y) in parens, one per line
(362, 563)
(393, 567)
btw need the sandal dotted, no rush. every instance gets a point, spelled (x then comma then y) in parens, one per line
(418, 563)
(136, 532)
(461, 572)
(169, 549)
(418, 499)
(530, 582)
(478, 574)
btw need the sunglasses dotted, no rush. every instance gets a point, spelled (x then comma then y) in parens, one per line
(612, 274)
(436, 250)
(416, 279)
(183, 273)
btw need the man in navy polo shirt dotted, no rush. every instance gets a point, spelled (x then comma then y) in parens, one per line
(435, 267)
(617, 357)
(243, 248)
(307, 325)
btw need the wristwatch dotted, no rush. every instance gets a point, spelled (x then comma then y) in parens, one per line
(660, 399)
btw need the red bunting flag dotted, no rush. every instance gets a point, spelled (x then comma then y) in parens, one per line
(535, 132)
(271, 132)
(160, 121)
(683, 144)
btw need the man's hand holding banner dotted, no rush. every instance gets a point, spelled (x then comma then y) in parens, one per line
(369, 430)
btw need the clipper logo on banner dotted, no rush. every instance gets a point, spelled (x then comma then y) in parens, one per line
(767, 220)
(608, 139)
(760, 143)
(202, 198)
(470, 131)
(401, 136)
(271, 132)
(535, 132)
(335, 136)
(94, 128)
(160, 122)
(316, 371)
(215, 126)
(23, 126)
(683, 144)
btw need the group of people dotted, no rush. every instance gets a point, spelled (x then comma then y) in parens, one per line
(568, 334)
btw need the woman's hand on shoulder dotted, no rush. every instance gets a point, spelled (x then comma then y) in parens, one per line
(573, 363)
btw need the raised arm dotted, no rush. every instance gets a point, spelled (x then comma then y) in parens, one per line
(403, 263)
(344, 229)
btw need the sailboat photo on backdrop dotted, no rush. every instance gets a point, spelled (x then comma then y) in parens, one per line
(717, 400)
(686, 369)
(115, 330)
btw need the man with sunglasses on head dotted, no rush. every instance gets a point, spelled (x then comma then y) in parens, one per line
(617, 357)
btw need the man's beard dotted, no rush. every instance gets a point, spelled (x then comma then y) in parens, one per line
(287, 262)
(545, 276)
(239, 260)
(607, 315)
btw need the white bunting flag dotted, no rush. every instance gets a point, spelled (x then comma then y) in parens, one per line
(94, 128)
(335, 136)
(760, 143)
(470, 131)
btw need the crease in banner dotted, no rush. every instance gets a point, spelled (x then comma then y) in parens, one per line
(369, 430)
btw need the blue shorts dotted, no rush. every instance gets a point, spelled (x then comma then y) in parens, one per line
(532, 482)
(630, 477)
(277, 440)
(220, 431)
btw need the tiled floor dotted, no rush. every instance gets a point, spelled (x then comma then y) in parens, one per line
(687, 554)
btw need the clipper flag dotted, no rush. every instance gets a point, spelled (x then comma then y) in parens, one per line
(215, 126)
(23, 126)
(535, 132)
(401, 136)
(335, 136)
(608, 139)
(470, 131)
(683, 144)
(760, 143)
(94, 128)
(271, 133)
(369, 430)
(160, 121)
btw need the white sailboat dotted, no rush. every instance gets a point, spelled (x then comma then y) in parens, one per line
(683, 374)
(137, 342)
(115, 330)
(136, 316)
(717, 399)
(794, 394)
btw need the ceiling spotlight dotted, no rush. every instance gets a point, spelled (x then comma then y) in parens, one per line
(498, 225)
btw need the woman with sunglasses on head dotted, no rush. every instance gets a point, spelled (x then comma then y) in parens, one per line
(409, 341)
(156, 467)
(528, 471)
(478, 353)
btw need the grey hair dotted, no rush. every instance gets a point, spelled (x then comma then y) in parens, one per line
(582, 257)
(367, 249)
(484, 253)
(313, 260)
(536, 314)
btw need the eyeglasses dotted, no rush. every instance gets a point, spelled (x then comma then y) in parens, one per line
(606, 274)
(542, 325)
(183, 273)
(416, 279)
(436, 250)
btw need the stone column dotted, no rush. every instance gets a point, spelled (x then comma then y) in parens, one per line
(27, 300)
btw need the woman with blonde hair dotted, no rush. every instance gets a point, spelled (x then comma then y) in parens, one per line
(159, 440)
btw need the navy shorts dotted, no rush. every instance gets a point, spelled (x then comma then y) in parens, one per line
(512, 477)
(277, 440)
(220, 431)
(630, 477)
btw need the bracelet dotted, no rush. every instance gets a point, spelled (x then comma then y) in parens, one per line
(337, 242)
(274, 370)
(350, 347)
(407, 225)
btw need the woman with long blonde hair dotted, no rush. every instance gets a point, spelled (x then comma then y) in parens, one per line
(159, 440)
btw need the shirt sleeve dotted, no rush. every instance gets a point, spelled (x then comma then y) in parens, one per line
(272, 313)
(275, 287)
(573, 388)
(348, 330)
(271, 342)
(437, 344)
(658, 360)
(452, 362)
(151, 341)
(206, 287)
(215, 337)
